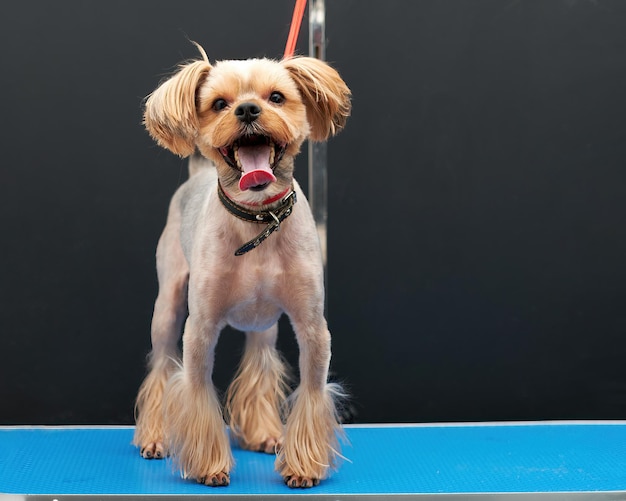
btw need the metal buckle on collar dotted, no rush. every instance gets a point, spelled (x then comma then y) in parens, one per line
(283, 212)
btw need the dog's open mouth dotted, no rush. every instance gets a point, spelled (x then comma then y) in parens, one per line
(255, 156)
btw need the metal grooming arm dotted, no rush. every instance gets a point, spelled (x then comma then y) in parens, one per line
(317, 151)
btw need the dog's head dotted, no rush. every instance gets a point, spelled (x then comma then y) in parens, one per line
(249, 117)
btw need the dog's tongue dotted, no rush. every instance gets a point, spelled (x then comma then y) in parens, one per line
(255, 164)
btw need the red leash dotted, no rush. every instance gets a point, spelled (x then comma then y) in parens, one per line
(294, 30)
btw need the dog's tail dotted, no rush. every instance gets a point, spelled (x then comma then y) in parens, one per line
(197, 163)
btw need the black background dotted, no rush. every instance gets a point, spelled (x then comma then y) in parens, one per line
(477, 241)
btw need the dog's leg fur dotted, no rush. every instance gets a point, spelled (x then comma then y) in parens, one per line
(257, 394)
(196, 433)
(310, 446)
(149, 432)
(170, 310)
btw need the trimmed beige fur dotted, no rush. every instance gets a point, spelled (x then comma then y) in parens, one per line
(201, 280)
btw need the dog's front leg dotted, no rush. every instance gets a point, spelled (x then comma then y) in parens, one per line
(195, 429)
(170, 310)
(310, 446)
(149, 433)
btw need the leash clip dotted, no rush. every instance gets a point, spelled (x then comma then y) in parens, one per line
(276, 220)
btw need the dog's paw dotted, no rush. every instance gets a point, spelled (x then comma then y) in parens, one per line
(301, 482)
(153, 450)
(221, 479)
(271, 445)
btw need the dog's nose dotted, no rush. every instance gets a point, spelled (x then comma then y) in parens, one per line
(247, 112)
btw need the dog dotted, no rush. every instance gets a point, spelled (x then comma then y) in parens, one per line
(240, 248)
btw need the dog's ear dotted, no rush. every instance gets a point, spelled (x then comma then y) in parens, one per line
(170, 115)
(325, 95)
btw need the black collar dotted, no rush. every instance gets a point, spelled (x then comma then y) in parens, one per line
(272, 218)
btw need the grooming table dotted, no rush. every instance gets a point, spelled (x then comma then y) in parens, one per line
(516, 461)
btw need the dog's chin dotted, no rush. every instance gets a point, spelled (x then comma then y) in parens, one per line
(255, 156)
(259, 187)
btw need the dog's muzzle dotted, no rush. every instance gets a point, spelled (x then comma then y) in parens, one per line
(254, 155)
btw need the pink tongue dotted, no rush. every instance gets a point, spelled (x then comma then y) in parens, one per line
(255, 163)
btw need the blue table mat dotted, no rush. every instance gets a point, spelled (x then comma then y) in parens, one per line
(381, 460)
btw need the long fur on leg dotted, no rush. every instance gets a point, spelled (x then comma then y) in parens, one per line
(149, 432)
(311, 445)
(195, 431)
(256, 396)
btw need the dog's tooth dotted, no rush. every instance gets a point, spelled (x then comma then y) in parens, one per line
(272, 153)
(236, 153)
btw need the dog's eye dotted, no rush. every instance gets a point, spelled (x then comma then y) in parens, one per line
(277, 98)
(219, 104)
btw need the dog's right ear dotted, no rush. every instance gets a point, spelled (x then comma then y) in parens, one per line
(170, 115)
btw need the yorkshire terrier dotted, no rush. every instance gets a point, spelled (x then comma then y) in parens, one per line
(240, 248)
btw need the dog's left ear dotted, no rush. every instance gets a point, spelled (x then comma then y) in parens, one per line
(325, 95)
